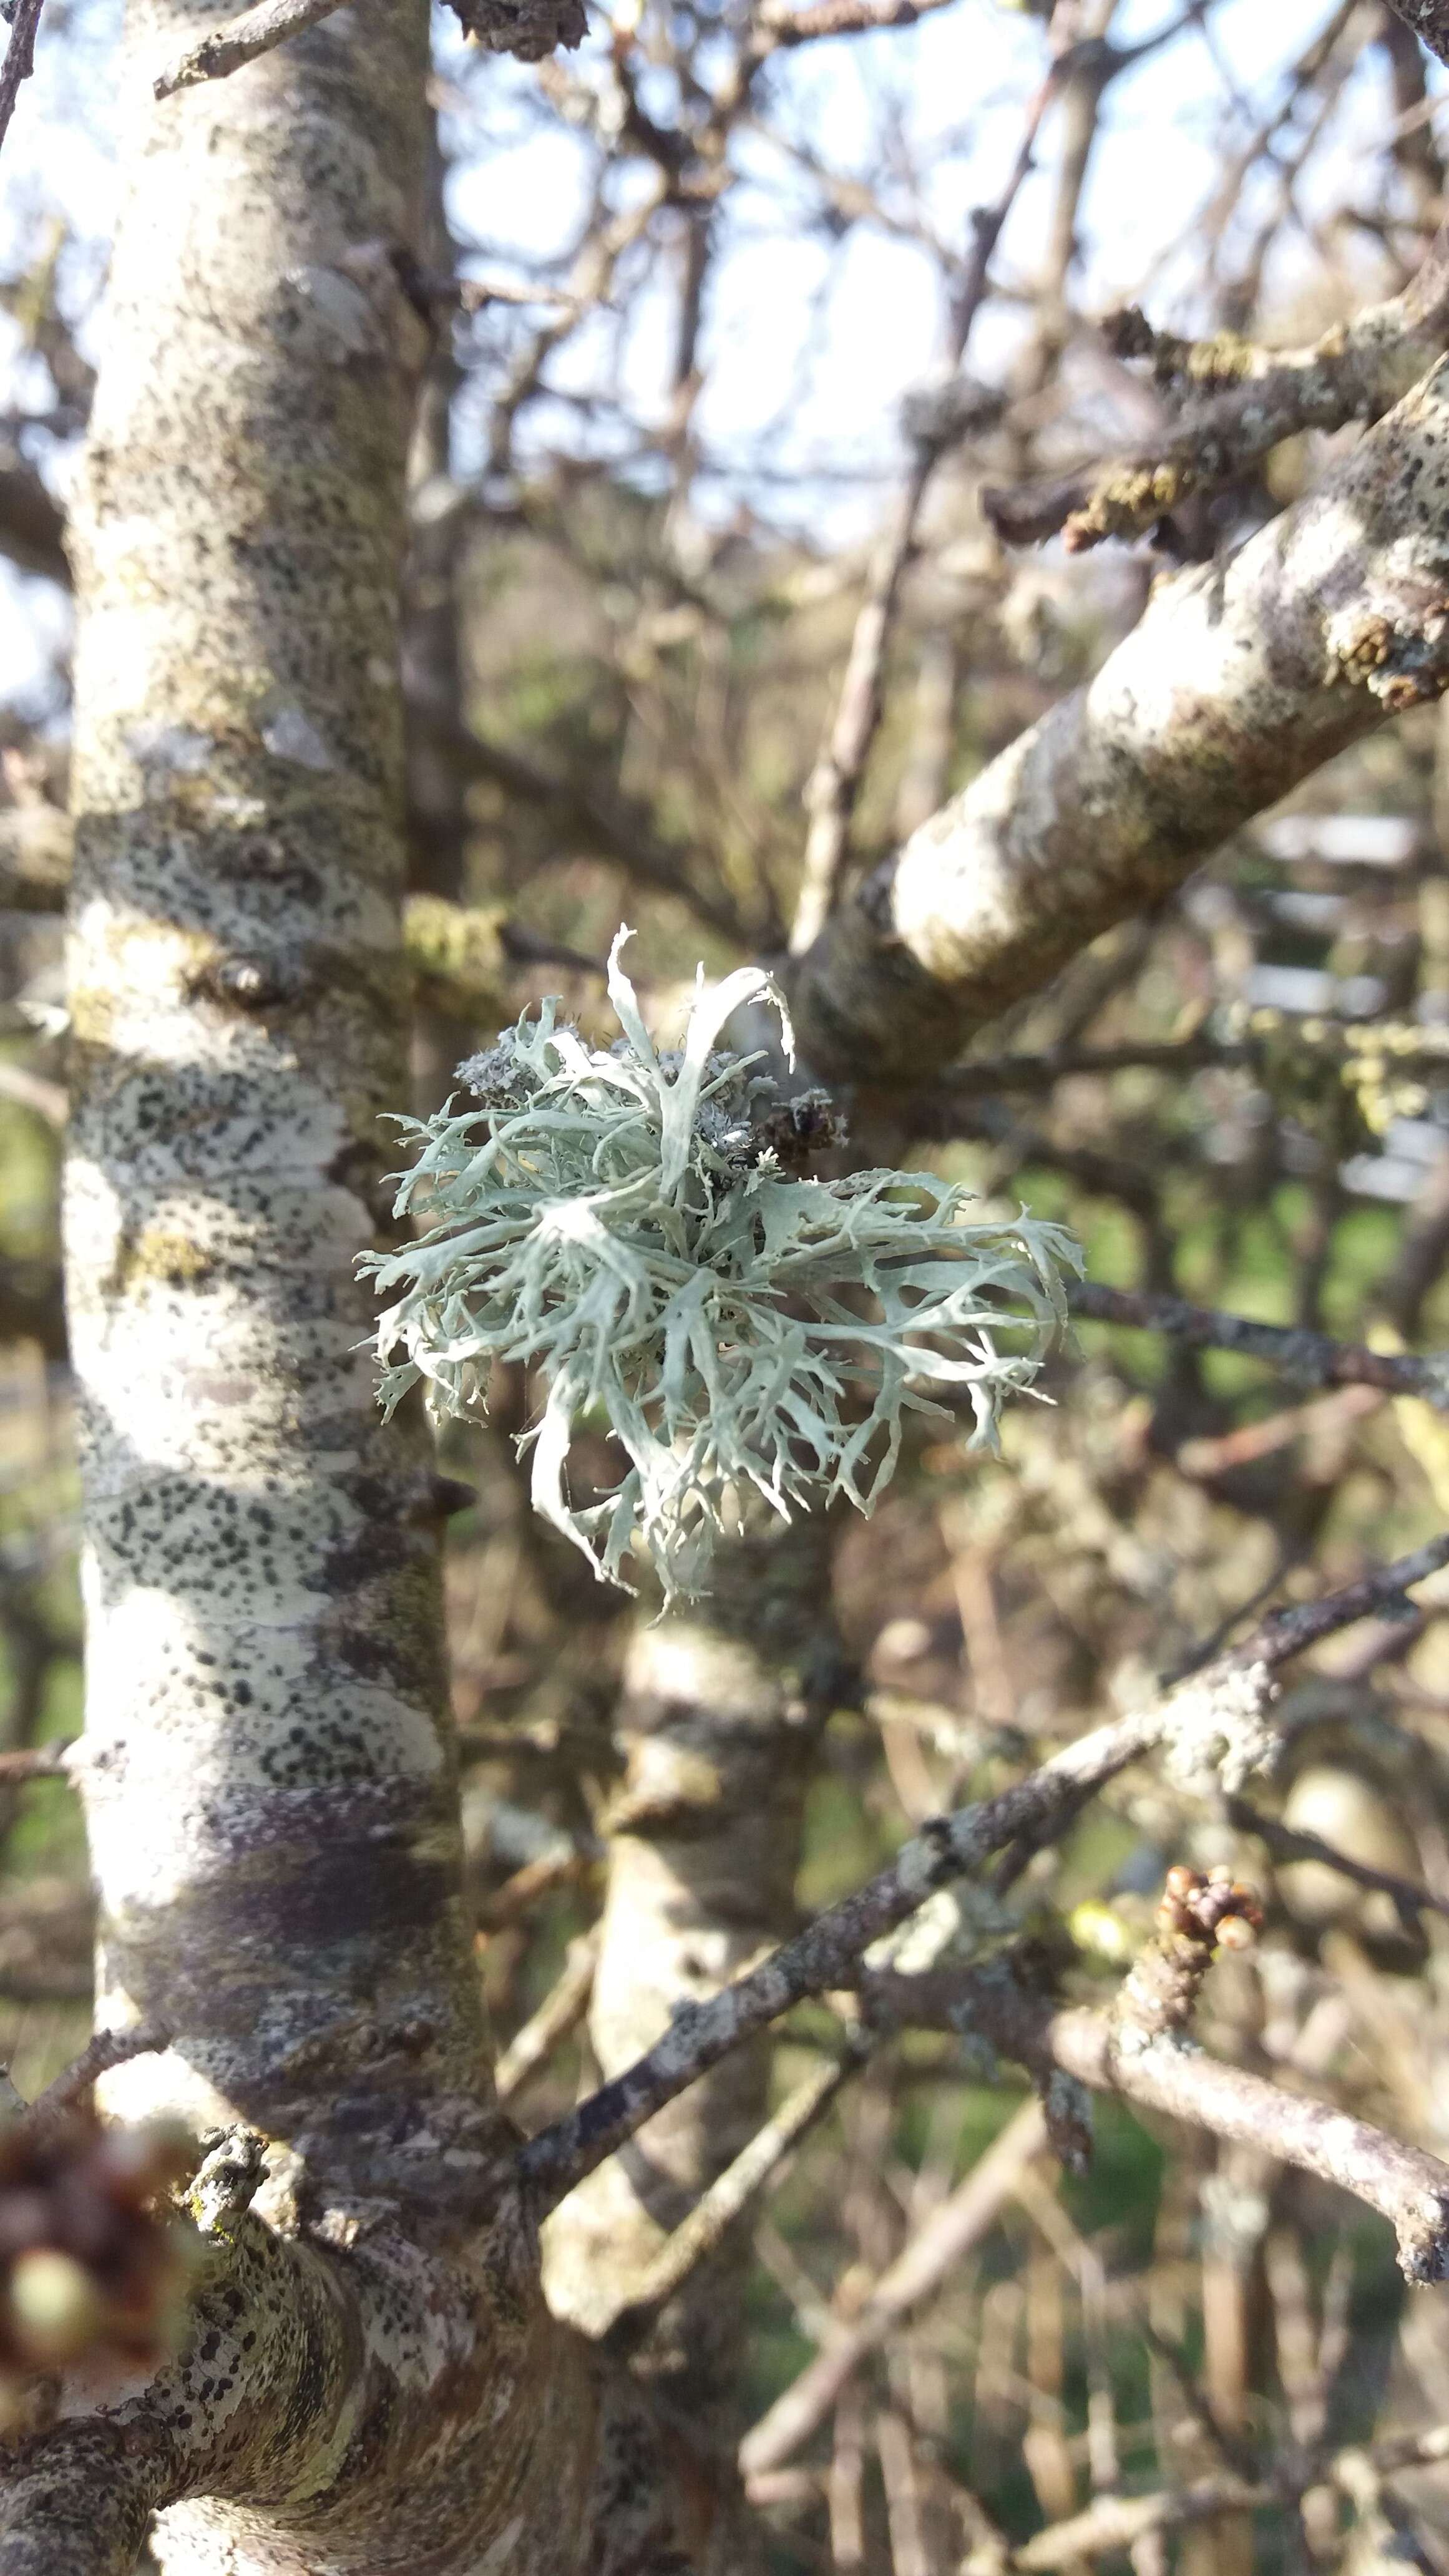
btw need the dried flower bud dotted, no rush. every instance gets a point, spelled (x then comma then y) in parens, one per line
(1202, 1909)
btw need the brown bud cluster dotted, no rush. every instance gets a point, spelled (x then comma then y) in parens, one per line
(90, 2260)
(1216, 1910)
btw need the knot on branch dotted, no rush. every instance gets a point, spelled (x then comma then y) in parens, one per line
(228, 2179)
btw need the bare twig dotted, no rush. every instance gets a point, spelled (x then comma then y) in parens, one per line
(19, 60)
(1292, 1631)
(778, 26)
(561, 2010)
(1314, 1359)
(561, 1867)
(731, 2193)
(834, 782)
(106, 2048)
(950, 2232)
(38, 1761)
(1221, 1706)
(1244, 402)
(1286, 1843)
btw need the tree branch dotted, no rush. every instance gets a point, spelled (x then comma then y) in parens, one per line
(1239, 680)
(1287, 1843)
(1160, 2070)
(241, 40)
(742, 2181)
(1241, 403)
(1312, 1359)
(561, 2010)
(1212, 1724)
(19, 60)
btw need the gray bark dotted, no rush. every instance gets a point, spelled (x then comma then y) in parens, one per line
(372, 2378)
(1240, 680)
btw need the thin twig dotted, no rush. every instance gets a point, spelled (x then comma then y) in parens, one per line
(48, 1100)
(19, 60)
(1241, 403)
(1231, 1693)
(1286, 1843)
(561, 2010)
(106, 2049)
(536, 1879)
(834, 782)
(1314, 1359)
(39, 1761)
(741, 2182)
(948, 2235)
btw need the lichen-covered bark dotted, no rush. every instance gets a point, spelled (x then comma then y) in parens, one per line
(268, 1786)
(372, 2380)
(720, 1712)
(1240, 679)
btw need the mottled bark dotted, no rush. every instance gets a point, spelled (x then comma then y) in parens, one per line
(720, 1711)
(266, 1683)
(1240, 680)
(1430, 22)
(372, 2379)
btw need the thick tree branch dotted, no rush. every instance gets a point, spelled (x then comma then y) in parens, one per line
(1239, 680)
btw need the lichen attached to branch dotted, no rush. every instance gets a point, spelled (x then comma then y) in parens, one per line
(637, 1223)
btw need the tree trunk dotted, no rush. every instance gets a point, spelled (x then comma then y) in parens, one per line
(372, 2380)
(719, 1721)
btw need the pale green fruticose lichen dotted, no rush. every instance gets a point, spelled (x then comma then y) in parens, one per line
(623, 1221)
